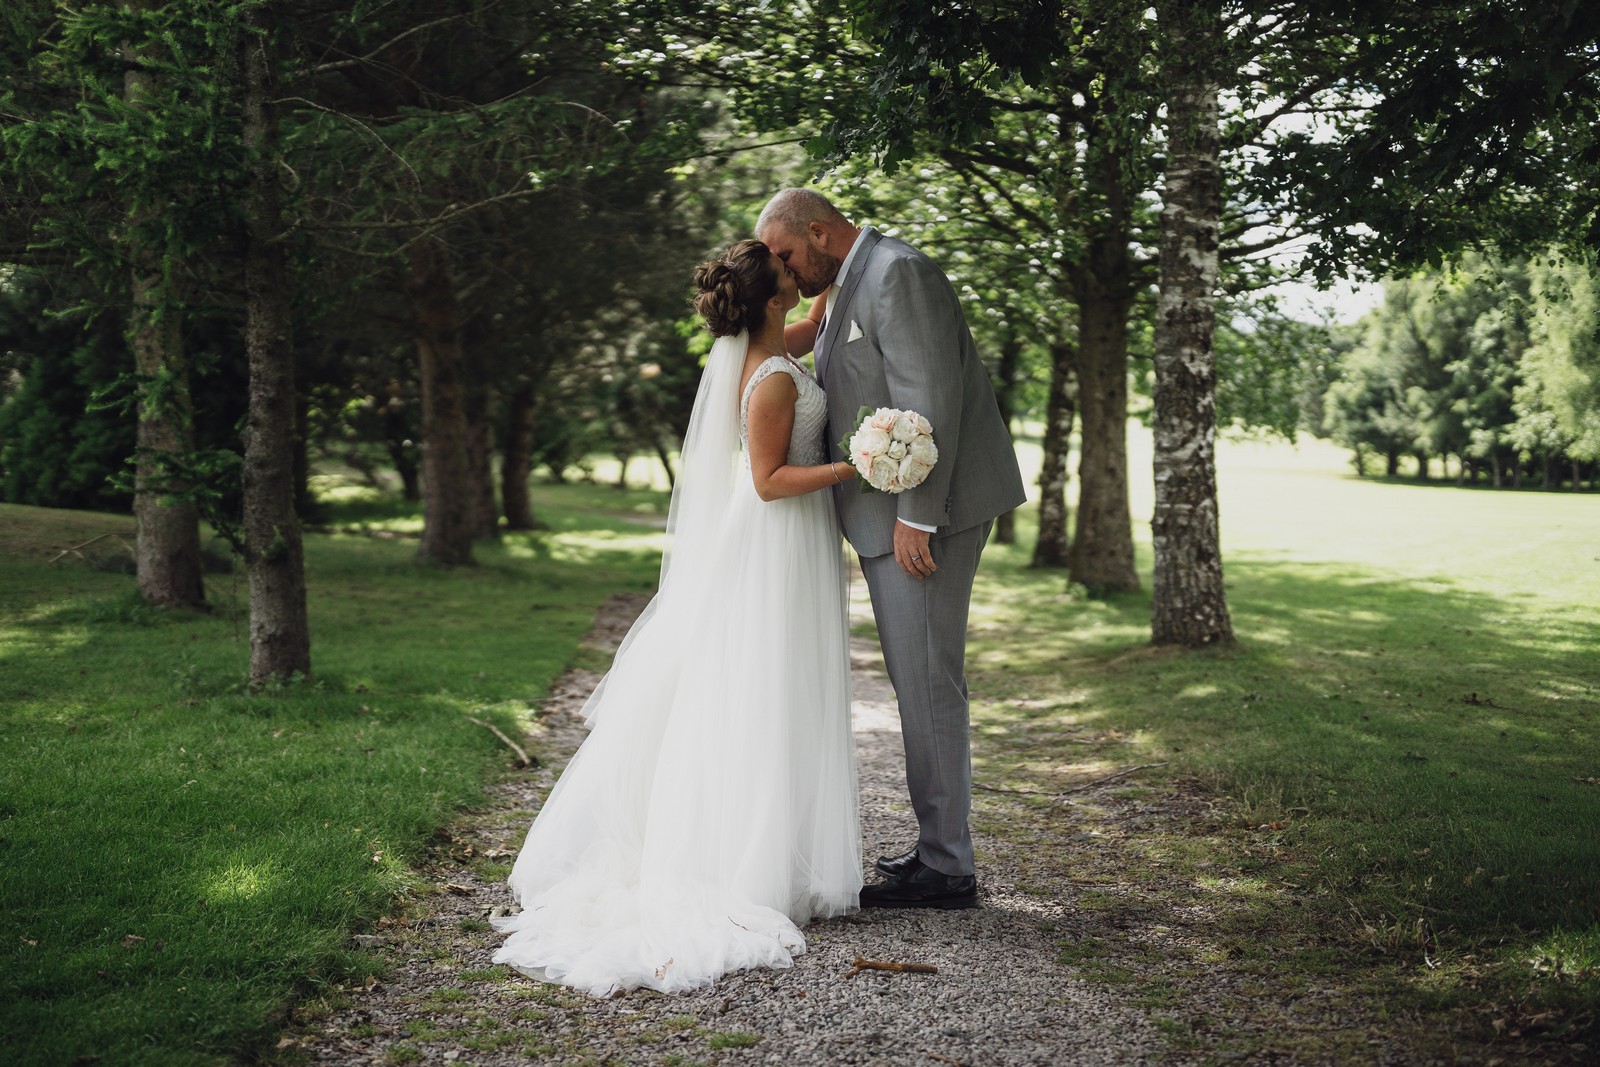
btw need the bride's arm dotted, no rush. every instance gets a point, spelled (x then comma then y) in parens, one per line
(771, 418)
(800, 337)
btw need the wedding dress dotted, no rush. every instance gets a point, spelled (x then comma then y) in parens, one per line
(712, 809)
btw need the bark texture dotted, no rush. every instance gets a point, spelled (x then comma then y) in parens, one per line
(1007, 380)
(516, 463)
(280, 635)
(1051, 549)
(447, 498)
(1102, 550)
(1190, 608)
(480, 459)
(1101, 558)
(167, 544)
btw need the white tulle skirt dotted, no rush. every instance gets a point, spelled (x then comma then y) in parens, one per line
(712, 810)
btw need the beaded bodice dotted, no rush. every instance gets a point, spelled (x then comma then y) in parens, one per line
(806, 447)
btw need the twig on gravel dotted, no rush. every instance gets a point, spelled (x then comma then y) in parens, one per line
(1068, 792)
(863, 964)
(523, 760)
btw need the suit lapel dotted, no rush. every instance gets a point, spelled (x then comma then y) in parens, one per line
(841, 305)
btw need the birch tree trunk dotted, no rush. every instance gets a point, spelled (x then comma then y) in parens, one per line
(447, 499)
(1190, 606)
(280, 634)
(1050, 550)
(167, 542)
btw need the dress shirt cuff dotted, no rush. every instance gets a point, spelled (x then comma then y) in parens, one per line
(918, 525)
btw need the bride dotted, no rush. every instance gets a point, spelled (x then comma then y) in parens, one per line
(712, 809)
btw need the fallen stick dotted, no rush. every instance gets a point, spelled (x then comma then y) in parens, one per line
(889, 965)
(1068, 792)
(86, 544)
(523, 759)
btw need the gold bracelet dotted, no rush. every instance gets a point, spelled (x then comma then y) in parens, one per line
(834, 466)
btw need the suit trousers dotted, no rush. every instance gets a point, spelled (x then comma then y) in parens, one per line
(922, 626)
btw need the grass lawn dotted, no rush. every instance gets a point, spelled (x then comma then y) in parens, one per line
(1396, 771)
(1407, 736)
(179, 857)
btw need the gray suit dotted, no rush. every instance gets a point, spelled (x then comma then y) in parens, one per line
(914, 351)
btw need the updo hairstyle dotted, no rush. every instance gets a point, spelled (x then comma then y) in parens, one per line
(731, 291)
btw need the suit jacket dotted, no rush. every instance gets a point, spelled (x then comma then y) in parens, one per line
(914, 351)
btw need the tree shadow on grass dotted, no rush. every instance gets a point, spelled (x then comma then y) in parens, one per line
(1413, 759)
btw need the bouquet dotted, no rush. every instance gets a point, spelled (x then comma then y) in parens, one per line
(892, 449)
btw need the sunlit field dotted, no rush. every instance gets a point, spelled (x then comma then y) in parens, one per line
(1409, 717)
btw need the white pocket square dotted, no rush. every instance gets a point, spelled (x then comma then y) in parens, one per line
(855, 331)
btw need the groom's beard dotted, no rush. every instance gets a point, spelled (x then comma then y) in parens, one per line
(820, 272)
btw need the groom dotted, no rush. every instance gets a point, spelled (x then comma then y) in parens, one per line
(895, 336)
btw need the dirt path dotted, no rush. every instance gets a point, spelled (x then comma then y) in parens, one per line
(999, 997)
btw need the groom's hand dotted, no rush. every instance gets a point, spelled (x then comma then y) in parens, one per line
(913, 551)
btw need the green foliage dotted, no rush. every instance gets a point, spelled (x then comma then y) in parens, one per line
(1465, 125)
(63, 436)
(1557, 404)
(183, 855)
(1493, 362)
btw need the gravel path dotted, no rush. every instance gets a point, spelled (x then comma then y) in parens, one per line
(999, 996)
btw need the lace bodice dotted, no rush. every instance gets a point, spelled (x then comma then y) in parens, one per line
(806, 446)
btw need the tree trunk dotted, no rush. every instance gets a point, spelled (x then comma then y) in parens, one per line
(447, 488)
(280, 635)
(1051, 549)
(306, 504)
(1422, 466)
(480, 459)
(397, 439)
(664, 454)
(1102, 550)
(516, 462)
(1191, 607)
(167, 541)
(1101, 558)
(1005, 391)
(1391, 466)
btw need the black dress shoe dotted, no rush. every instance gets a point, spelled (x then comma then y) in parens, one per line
(893, 867)
(923, 887)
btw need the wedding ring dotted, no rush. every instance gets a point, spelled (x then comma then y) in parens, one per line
(916, 559)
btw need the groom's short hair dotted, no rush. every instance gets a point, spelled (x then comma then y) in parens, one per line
(795, 209)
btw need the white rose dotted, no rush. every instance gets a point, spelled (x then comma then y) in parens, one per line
(882, 419)
(923, 450)
(905, 426)
(883, 474)
(913, 472)
(923, 425)
(896, 450)
(870, 439)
